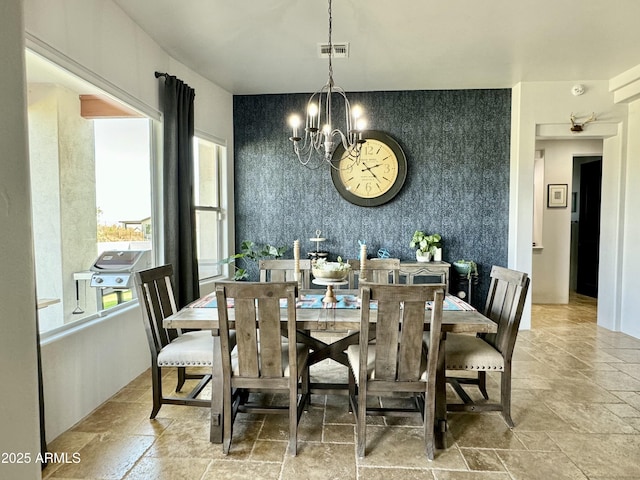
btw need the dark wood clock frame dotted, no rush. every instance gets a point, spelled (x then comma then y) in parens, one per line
(384, 197)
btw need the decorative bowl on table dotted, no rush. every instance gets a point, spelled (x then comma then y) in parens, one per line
(336, 271)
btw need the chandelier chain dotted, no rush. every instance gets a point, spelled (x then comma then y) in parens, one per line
(330, 45)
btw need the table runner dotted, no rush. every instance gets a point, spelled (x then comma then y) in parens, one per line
(451, 302)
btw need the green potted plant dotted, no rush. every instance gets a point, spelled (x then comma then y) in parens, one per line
(466, 268)
(426, 245)
(250, 252)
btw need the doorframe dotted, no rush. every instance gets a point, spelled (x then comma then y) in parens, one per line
(611, 226)
(551, 262)
(613, 136)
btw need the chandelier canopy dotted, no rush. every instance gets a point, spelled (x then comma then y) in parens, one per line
(316, 144)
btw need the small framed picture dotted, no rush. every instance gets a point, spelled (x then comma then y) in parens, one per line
(557, 195)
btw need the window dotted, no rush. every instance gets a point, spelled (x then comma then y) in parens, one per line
(123, 192)
(208, 157)
(90, 159)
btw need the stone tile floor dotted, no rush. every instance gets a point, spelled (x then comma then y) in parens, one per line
(576, 405)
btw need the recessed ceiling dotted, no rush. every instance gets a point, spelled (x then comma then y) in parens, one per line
(270, 46)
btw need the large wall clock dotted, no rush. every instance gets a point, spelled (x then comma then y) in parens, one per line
(376, 176)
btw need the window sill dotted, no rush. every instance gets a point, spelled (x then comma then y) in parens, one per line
(62, 331)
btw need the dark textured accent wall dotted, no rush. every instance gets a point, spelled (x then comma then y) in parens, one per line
(457, 148)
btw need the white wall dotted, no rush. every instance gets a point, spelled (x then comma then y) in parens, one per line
(95, 40)
(19, 417)
(84, 368)
(551, 264)
(629, 322)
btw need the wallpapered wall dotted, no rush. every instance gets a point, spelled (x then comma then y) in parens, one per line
(457, 148)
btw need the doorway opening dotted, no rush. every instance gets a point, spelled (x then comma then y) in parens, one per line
(585, 224)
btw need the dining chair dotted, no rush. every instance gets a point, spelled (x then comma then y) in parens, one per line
(391, 359)
(377, 270)
(424, 272)
(261, 360)
(489, 352)
(171, 348)
(279, 270)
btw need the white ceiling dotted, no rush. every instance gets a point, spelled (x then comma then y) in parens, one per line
(270, 46)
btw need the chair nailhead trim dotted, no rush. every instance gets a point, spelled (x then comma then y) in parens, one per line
(472, 367)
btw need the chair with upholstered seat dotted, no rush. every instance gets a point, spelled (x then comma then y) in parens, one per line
(262, 360)
(376, 270)
(489, 352)
(170, 348)
(390, 359)
(279, 270)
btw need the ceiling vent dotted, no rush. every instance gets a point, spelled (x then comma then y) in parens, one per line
(340, 50)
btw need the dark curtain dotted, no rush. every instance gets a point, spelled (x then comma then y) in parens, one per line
(179, 213)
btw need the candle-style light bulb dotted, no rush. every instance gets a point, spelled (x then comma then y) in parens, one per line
(294, 123)
(312, 114)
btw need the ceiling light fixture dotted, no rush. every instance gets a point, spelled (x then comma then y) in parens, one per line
(320, 140)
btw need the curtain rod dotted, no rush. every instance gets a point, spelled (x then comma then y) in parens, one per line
(167, 75)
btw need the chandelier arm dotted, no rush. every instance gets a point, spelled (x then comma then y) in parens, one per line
(305, 157)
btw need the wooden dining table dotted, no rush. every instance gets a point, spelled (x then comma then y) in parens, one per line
(341, 318)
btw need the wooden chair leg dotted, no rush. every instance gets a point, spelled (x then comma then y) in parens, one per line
(293, 420)
(361, 422)
(227, 424)
(182, 374)
(505, 395)
(156, 382)
(352, 389)
(306, 388)
(429, 417)
(482, 384)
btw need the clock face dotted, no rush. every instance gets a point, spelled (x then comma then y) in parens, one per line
(373, 178)
(374, 173)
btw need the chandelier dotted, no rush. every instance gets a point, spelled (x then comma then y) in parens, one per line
(320, 137)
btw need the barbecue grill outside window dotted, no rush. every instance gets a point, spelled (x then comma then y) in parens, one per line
(113, 272)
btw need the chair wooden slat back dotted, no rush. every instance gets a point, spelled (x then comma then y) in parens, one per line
(257, 325)
(399, 327)
(377, 270)
(505, 302)
(283, 271)
(156, 295)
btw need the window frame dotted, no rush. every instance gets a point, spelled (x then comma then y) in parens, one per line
(219, 158)
(91, 83)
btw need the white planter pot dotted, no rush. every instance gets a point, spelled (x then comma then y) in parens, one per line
(420, 257)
